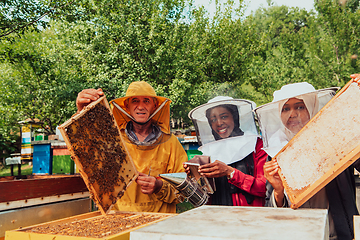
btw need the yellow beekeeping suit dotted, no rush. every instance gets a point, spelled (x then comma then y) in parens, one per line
(165, 155)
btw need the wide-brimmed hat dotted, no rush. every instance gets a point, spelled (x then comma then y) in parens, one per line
(161, 114)
(238, 145)
(291, 90)
(198, 116)
(268, 115)
(294, 90)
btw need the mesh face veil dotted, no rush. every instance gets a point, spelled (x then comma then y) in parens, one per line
(225, 128)
(292, 107)
(160, 117)
(296, 112)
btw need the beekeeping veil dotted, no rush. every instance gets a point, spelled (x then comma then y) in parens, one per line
(274, 133)
(240, 143)
(160, 117)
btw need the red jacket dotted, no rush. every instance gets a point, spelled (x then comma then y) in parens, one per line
(256, 184)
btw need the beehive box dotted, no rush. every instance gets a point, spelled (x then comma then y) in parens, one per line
(96, 146)
(356, 227)
(91, 226)
(326, 146)
(61, 159)
(210, 222)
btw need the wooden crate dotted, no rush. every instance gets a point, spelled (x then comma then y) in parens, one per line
(326, 146)
(96, 146)
(32, 187)
(91, 226)
(35, 199)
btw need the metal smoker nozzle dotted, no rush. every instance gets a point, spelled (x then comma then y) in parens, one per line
(189, 189)
(174, 178)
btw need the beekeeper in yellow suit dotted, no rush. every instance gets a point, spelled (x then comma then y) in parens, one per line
(144, 121)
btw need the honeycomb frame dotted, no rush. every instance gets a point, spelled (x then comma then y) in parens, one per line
(96, 145)
(327, 145)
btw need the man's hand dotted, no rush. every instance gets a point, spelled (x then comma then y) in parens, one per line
(215, 169)
(86, 96)
(356, 78)
(271, 173)
(148, 183)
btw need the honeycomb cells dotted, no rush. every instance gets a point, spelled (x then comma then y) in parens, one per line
(96, 144)
(98, 227)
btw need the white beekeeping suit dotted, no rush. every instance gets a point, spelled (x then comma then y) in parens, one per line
(274, 132)
(242, 139)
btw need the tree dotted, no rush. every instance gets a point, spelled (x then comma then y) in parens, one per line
(301, 46)
(20, 15)
(283, 56)
(125, 42)
(335, 45)
(43, 78)
(178, 49)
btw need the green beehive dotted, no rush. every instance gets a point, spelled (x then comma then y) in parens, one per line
(192, 153)
(62, 164)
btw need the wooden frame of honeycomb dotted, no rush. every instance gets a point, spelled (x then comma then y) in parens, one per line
(96, 145)
(327, 145)
(94, 225)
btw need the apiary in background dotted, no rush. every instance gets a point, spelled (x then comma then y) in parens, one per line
(96, 146)
(114, 225)
(326, 146)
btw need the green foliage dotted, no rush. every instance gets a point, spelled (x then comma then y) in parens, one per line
(185, 55)
(300, 46)
(283, 56)
(335, 43)
(9, 131)
(42, 78)
(21, 15)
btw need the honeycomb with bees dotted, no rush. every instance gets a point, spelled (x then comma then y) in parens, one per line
(97, 226)
(96, 146)
(323, 148)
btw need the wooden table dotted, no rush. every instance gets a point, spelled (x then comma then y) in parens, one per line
(14, 161)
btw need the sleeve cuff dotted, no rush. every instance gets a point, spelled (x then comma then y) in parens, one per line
(272, 199)
(163, 192)
(231, 175)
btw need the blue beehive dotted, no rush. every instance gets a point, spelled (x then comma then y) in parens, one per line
(42, 159)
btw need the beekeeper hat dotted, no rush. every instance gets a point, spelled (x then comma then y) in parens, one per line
(161, 114)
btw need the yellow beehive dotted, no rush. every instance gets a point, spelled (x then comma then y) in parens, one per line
(327, 145)
(96, 146)
(91, 226)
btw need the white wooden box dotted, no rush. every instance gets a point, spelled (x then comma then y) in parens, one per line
(230, 223)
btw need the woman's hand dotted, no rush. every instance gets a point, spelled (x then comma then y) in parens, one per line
(215, 169)
(356, 78)
(271, 173)
(86, 96)
(148, 183)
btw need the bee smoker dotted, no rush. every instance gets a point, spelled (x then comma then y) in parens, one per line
(189, 189)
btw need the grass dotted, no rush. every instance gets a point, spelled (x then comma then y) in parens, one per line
(183, 207)
(26, 169)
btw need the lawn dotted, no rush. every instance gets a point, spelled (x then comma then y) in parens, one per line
(26, 169)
